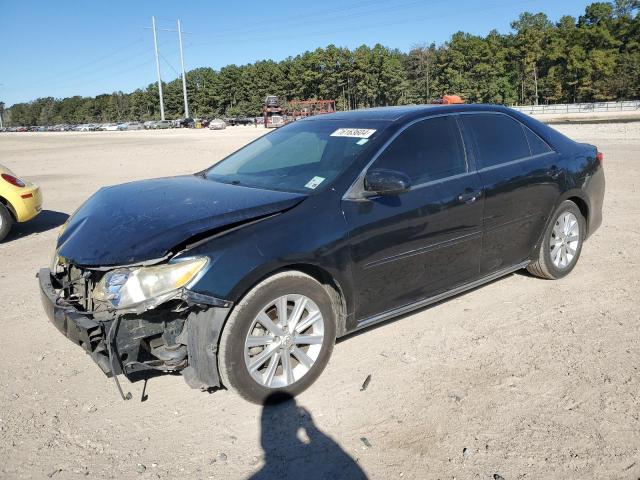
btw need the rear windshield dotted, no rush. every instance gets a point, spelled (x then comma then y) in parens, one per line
(304, 157)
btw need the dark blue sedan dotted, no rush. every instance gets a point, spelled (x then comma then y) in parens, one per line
(243, 275)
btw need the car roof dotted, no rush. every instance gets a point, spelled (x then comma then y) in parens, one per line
(405, 112)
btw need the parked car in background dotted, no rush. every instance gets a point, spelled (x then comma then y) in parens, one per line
(240, 121)
(110, 127)
(162, 124)
(186, 123)
(131, 126)
(149, 124)
(20, 200)
(320, 228)
(217, 124)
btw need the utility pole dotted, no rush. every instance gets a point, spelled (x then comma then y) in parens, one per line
(184, 75)
(1, 108)
(155, 45)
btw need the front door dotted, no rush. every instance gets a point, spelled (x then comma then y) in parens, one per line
(419, 243)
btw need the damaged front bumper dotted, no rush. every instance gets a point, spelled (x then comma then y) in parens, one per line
(160, 339)
(80, 328)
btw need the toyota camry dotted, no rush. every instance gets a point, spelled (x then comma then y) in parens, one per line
(243, 275)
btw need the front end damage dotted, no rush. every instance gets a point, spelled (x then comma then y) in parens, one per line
(177, 333)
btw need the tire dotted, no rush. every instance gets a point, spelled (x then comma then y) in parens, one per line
(268, 384)
(548, 261)
(6, 222)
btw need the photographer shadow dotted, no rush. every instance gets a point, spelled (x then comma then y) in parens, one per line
(288, 456)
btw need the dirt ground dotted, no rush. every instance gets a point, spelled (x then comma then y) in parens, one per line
(522, 378)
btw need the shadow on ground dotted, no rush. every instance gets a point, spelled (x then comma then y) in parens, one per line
(290, 455)
(46, 220)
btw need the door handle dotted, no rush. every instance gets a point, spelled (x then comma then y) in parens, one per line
(554, 172)
(469, 196)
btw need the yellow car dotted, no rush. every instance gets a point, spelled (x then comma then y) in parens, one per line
(19, 201)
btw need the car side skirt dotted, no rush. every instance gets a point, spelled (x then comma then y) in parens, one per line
(381, 317)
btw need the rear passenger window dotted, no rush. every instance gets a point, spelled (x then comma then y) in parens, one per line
(426, 151)
(537, 145)
(499, 138)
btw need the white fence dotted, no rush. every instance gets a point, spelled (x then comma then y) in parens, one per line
(629, 106)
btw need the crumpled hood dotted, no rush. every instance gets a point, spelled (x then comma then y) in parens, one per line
(139, 221)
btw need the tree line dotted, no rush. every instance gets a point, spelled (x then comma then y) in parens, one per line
(595, 57)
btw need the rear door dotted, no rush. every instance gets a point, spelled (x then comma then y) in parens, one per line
(419, 243)
(520, 178)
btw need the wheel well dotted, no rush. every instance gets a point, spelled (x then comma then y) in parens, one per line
(326, 279)
(583, 207)
(5, 202)
(334, 289)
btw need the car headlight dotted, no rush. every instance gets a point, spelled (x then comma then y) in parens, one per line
(127, 288)
(55, 262)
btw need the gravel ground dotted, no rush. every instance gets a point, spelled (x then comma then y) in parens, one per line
(522, 378)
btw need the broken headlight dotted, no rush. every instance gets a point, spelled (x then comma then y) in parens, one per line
(55, 262)
(126, 288)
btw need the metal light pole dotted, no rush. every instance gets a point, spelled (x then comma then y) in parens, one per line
(184, 75)
(155, 46)
(1, 109)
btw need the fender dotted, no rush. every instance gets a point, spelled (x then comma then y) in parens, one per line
(569, 194)
(338, 281)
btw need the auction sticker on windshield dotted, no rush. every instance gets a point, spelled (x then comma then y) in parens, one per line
(314, 182)
(354, 132)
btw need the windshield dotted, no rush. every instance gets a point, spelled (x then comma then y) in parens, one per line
(304, 157)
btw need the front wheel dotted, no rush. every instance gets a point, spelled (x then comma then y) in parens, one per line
(561, 243)
(278, 339)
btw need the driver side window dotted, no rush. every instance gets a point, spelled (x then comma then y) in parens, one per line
(426, 151)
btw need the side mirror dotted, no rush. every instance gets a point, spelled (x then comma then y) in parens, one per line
(380, 181)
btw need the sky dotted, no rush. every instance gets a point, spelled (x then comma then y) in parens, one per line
(62, 48)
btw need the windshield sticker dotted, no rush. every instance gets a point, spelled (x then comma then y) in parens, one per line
(314, 182)
(354, 132)
(362, 141)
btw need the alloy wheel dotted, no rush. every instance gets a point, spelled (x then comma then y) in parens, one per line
(284, 341)
(564, 241)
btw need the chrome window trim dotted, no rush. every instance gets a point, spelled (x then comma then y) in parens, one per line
(356, 189)
(512, 162)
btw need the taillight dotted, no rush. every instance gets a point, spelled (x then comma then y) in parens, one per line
(599, 157)
(16, 182)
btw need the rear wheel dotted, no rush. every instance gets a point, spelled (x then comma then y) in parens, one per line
(561, 244)
(278, 339)
(6, 222)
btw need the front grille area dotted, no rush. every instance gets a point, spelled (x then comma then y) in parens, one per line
(77, 285)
